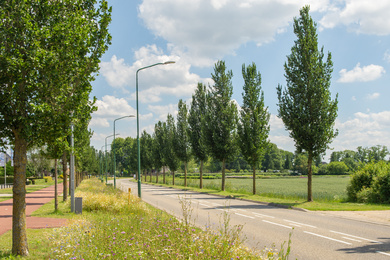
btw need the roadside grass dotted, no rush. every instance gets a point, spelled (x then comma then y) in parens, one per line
(39, 184)
(329, 192)
(111, 227)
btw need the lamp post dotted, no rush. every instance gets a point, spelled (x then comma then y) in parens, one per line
(106, 155)
(114, 148)
(138, 146)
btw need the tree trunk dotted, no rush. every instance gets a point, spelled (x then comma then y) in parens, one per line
(185, 174)
(19, 232)
(151, 176)
(201, 175)
(157, 175)
(55, 185)
(65, 177)
(145, 173)
(254, 180)
(173, 177)
(309, 178)
(164, 175)
(223, 175)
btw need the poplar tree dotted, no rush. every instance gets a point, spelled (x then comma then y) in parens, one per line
(182, 142)
(305, 106)
(253, 126)
(195, 131)
(220, 124)
(171, 158)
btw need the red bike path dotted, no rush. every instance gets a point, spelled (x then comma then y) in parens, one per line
(34, 201)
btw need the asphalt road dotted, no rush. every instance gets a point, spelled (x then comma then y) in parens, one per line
(314, 235)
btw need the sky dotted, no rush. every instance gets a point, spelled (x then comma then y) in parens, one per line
(197, 33)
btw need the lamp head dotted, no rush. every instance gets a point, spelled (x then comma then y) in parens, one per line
(169, 62)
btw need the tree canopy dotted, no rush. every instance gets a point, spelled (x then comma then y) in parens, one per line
(305, 106)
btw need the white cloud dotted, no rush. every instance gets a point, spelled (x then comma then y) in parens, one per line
(364, 129)
(110, 108)
(117, 73)
(353, 98)
(173, 79)
(276, 123)
(162, 111)
(367, 73)
(207, 30)
(373, 96)
(113, 107)
(102, 122)
(360, 16)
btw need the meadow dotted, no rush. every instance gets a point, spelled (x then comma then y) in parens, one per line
(112, 228)
(325, 188)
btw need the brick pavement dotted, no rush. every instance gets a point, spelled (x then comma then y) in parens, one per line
(34, 201)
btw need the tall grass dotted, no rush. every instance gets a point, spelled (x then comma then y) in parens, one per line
(110, 228)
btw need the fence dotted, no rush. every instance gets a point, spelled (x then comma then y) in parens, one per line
(4, 186)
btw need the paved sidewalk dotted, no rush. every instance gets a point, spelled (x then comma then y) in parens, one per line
(34, 200)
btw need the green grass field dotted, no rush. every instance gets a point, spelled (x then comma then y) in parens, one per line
(325, 188)
(329, 192)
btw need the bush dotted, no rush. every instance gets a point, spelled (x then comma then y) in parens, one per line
(337, 168)
(370, 184)
(323, 169)
(47, 178)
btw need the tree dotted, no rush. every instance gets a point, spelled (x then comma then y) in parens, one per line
(146, 153)
(195, 131)
(182, 142)
(272, 158)
(49, 52)
(221, 117)
(171, 158)
(305, 106)
(253, 126)
(160, 146)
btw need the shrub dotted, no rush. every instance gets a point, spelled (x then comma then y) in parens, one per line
(370, 184)
(323, 169)
(337, 168)
(47, 178)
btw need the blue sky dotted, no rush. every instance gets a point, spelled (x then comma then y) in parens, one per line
(197, 33)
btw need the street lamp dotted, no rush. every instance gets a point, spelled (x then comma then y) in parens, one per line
(114, 147)
(138, 146)
(106, 155)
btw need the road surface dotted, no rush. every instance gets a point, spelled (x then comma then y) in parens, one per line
(314, 235)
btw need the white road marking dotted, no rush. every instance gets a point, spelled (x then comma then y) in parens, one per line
(204, 204)
(262, 215)
(356, 237)
(383, 253)
(299, 223)
(352, 239)
(243, 215)
(222, 209)
(273, 223)
(340, 241)
(239, 209)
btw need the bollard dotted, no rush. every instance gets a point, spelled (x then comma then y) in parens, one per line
(129, 195)
(78, 205)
